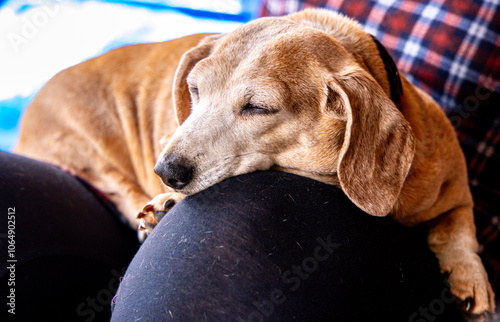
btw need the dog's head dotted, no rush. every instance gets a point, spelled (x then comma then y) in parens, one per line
(309, 93)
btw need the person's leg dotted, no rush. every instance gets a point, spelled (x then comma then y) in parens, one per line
(274, 246)
(64, 249)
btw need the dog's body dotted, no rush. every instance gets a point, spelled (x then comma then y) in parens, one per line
(310, 93)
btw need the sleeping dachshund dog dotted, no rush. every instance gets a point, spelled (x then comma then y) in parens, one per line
(309, 93)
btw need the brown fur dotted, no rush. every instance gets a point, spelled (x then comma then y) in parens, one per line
(332, 120)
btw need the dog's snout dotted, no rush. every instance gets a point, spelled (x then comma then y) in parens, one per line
(175, 172)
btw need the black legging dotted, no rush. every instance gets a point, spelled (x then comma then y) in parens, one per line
(263, 246)
(70, 248)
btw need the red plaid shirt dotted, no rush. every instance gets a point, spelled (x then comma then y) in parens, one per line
(449, 48)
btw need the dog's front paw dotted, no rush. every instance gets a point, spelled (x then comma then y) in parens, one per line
(156, 209)
(469, 283)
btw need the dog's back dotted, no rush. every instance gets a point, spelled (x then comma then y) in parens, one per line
(103, 119)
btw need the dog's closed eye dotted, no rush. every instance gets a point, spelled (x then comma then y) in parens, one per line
(194, 92)
(253, 109)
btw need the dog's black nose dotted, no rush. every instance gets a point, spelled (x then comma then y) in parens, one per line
(175, 172)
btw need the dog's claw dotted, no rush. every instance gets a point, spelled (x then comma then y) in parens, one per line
(466, 305)
(469, 302)
(147, 208)
(149, 218)
(155, 210)
(469, 284)
(168, 204)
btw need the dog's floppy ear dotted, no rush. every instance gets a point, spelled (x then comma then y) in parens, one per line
(180, 93)
(378, 147)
